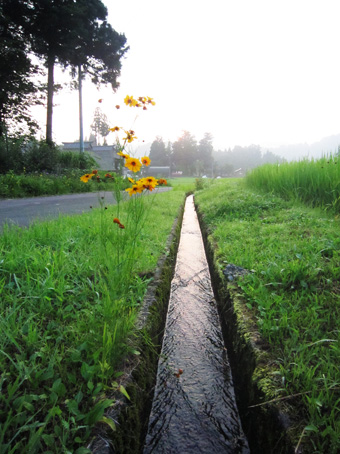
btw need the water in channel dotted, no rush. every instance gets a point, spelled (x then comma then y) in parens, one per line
(194, 408)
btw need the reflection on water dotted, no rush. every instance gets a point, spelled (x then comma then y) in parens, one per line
(194, 409)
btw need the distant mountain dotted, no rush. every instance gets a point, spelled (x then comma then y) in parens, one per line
(295, 152)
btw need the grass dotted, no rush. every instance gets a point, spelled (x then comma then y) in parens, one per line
(315, 182)
(40, 184)
(186, 184)
(293, 290)
(68, 307)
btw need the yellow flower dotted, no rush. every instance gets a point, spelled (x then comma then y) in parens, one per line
(133, 164)
(149, 187)
(115, 129)
(85, 178)
(130, 136)
(132, 180)
(151, 180)
(124, 155)
(145, 160)
(130, 101)
(148, 183)
(134, 190)
(151, 101)
(162, 181)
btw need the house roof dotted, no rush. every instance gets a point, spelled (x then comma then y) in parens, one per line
(103, 154)
(76, 145)
(99, 148)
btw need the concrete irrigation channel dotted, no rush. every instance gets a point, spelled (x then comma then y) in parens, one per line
(184, 392)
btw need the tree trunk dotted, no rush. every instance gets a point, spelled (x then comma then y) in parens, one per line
(50, 91)
(81, 137)
(1, 124)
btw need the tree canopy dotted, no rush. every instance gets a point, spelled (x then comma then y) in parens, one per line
(185, 153)
(72, 33)
(18, 90)
(242, 159)
(100, 126)
(198, 159)
(159, 154)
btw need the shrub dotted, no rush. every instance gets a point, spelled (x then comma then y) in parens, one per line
(27, 155)
(40, 156)
(11, 155)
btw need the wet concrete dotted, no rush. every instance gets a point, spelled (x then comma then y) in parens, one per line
(194, 408)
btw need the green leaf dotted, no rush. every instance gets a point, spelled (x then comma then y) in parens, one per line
(55, 411)
(97, 411)
(78, 397)
(123, 391)
(48, 374)
(87, 371)
(83, 451)
(59, 388)
(72, 406)
(109, 422)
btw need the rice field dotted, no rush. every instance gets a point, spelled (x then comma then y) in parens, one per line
(315, 182)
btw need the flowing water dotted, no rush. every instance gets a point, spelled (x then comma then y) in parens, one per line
(194, 408)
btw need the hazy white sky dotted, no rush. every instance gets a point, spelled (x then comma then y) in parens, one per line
(265, 72)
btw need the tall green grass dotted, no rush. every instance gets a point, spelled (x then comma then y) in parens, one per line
(70, 291)
(315, 182)
(293, 291)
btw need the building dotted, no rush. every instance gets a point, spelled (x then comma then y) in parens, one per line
(160, 171)
(104, 155)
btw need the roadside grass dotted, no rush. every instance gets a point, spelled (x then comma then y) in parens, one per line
(186, 184)
(314, 182)
(40, 184)
(68, 306)
(293, 291)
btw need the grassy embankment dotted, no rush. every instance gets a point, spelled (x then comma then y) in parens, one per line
(293, 252)
(70, 293)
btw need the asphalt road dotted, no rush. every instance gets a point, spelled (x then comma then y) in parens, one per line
(23, 212)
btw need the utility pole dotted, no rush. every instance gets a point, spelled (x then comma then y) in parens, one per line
(81, 138)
